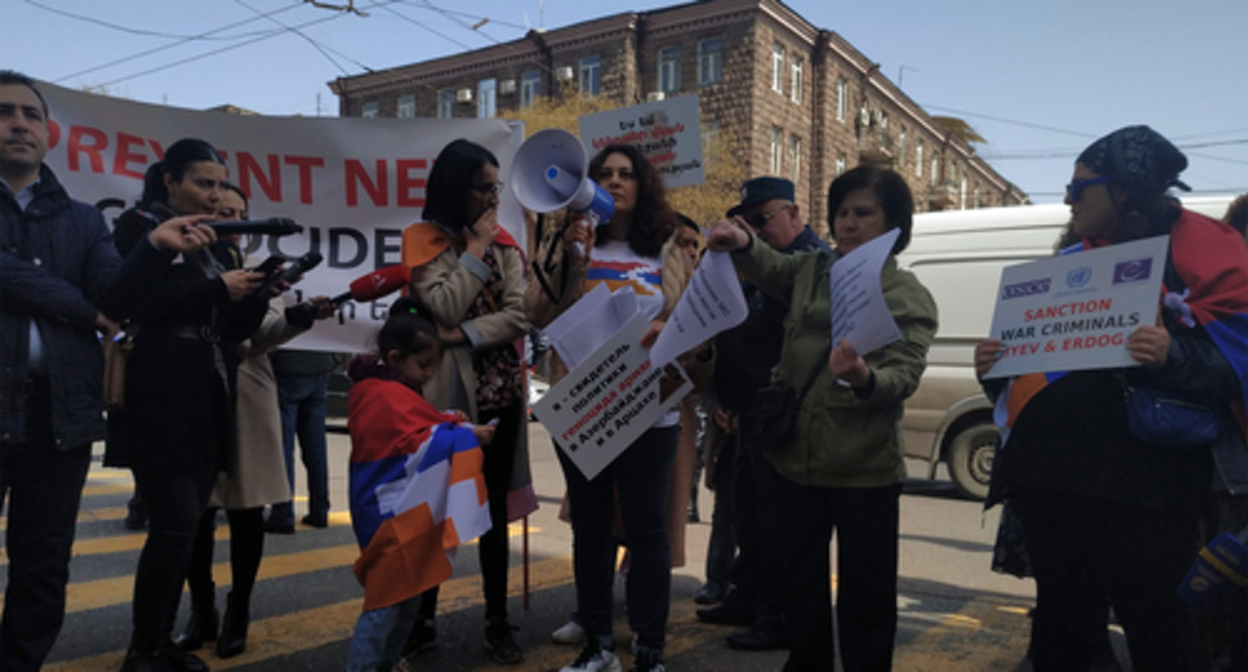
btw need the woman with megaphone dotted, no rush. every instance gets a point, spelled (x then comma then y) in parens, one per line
(470, 273)
(623, 251)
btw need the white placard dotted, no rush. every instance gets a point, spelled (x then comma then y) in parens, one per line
(859, 312)
(711, 303)
(596, 411)
(354, 184)
(1075, 311)
(668, 132)
(588, 323)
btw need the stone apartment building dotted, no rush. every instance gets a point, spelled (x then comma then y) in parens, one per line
(801, 100)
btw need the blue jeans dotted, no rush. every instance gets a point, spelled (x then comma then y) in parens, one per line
(302, 400)
(380, 635)
(641, 477)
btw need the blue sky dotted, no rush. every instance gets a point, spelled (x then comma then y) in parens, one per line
(1039, 80)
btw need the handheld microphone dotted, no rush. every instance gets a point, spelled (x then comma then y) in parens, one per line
(273, 226)
(290, 274)
(365, 288)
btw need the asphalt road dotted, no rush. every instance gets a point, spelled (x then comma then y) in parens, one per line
(955, 614)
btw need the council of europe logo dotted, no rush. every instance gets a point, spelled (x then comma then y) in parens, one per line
(1028, 288)
(1078, 277)
(1133, 271)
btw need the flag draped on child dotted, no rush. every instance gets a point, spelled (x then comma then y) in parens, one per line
(417, 491)
(1211, 261)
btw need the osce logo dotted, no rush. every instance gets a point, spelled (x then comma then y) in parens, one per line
(1078, 277)
(1020, 289)
(1135, 270)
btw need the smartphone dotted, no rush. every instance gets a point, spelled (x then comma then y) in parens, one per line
(270, 265)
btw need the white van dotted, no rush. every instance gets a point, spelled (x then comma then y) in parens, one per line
(958, 255)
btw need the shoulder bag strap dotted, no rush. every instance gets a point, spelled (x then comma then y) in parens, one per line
(822, 362)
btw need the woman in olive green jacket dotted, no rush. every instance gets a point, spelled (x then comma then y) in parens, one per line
(844, 467)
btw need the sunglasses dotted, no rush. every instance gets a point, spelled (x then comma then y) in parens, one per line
(759, 219)
(1074, 190)
(488, 188)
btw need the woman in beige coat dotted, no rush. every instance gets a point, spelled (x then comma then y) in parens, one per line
(470, 274)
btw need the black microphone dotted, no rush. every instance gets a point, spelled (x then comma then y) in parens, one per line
(273, 226)
(290, 275)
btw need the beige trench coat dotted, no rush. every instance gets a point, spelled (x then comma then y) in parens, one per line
(259, 476)
(448, 287)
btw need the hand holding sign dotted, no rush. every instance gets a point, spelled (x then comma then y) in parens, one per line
(713, 302)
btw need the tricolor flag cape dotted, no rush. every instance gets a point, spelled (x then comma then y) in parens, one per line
(416, 491)
(1211, 261)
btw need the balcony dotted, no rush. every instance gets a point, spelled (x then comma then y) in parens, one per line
(942, 196)
(875, 148)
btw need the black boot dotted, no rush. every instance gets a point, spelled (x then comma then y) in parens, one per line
(202, 626)
(234, 628)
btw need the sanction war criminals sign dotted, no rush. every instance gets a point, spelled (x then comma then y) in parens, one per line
(1076, 311)
(610, 399)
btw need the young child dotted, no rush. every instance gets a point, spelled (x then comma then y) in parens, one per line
(417, 491)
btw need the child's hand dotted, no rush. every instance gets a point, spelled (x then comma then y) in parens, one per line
(484, 433)
(460, 416)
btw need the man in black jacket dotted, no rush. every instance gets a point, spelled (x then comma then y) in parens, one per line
(754, 347)
(60, 274)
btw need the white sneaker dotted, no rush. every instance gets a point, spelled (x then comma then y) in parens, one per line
(594, 660)
(569, 633)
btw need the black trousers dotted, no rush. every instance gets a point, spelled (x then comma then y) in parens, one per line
(493, 549)
(1086, 552)
(865, 521)
(246, 551)
(43, 487)
(755, 487)
(177, 501)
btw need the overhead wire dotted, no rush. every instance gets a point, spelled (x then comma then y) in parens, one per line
(315, 45)
(138, 31)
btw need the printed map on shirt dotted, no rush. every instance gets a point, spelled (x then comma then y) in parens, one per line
(617, 266)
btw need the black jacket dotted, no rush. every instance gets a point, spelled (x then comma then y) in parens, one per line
(754, 346)
(181, 374)
(59, 267)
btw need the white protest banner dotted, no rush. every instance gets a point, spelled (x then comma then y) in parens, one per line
(668, 132)
(859, 312)
(615, 395)
(711, 303)
(354, 184)
(1075, 311)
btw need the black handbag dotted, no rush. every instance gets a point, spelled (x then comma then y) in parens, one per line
(771, 421)
(1163, 418)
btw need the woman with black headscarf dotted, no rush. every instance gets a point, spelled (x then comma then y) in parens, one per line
(1110, 514)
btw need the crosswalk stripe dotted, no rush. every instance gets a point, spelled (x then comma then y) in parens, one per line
(291, 633)
(107, 489)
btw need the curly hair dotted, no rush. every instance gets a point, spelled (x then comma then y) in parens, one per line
(653, 218)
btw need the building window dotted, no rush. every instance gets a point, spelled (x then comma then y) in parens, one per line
(369, 110)
(710, 61)
(710, 135)
(842, 99)
(962, 195)
(795, 159)
(487, 98)
(918, 159)
(530, 87)
(777, 68)
(840, 164)
(446, 104)
(975, 202)
(795, 79)
(407, 107)
(901, 148)
(935, 169)
(777, 140)
(669, 69)
(591, 75)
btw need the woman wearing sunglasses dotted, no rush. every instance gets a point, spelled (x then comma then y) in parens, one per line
(470, 274)
(1110, 513)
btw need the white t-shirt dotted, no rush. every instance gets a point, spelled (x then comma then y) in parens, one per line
(617, 265)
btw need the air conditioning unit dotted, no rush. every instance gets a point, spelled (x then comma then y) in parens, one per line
(655, 96)
(507, 87)
(564, 73)
(463, 95)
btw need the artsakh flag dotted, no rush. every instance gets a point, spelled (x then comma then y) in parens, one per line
(1211, 261)
(617, 274)
(417, 491)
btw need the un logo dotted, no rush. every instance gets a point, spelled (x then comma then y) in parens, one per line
(1078, 277)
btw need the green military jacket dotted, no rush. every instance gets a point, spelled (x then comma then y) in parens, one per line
(845, 437)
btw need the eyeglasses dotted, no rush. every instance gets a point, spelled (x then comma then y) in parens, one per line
(1074, 190)
(488, 188)
(759, 219)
